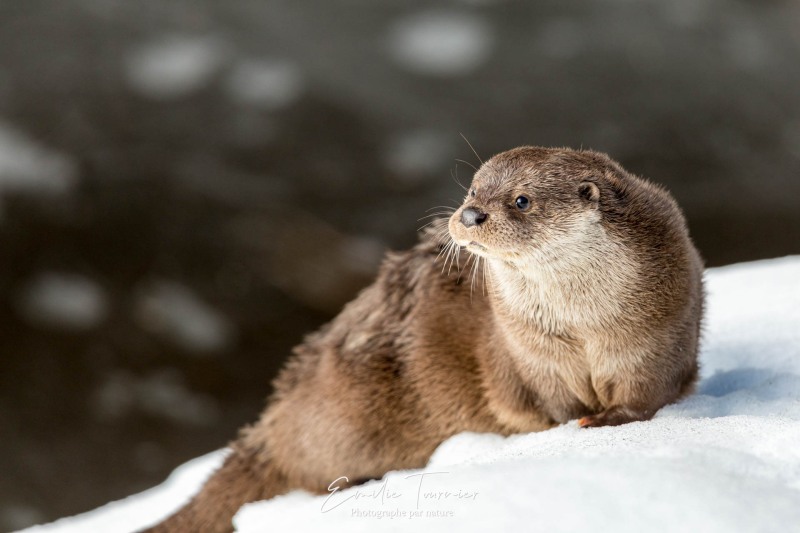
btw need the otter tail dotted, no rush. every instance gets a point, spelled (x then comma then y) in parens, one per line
(244, 477)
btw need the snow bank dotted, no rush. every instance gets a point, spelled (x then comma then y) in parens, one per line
(175, 66)
(418, 153)
(64, 301)
(726, 459)
(143, 509)
(174, 311)
(29, 166)
(267, 84)
(441, 43)
(163, 394)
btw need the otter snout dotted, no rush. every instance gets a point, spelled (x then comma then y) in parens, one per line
(472, 217)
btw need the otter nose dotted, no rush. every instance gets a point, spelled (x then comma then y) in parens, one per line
(472, 217)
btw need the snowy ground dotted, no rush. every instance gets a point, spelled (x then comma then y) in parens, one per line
(726, 459)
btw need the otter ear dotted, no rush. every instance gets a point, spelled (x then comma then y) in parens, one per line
(589, 192)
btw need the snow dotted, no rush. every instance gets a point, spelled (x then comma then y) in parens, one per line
(418, 153)
(725, 459)
(28, 166)
(267, 84)
(63, 301)
(163, 394)
(171, 309)
(174, 66)
(141, 510)
(441, 43)
(561, 38)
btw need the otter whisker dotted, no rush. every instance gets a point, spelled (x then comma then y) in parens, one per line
(474, 259)
(469, 165)
(475, 264)
(445, 253)
(454, 175)
(451, 208)
(436, 214)
(429, 223)
(471, 148)
(448, 250)
(442, 250)
(440, 232)
(448, 261)
(454, 257)
(443, 233)
(488, 279)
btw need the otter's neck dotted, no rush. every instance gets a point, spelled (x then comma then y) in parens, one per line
(559, 293)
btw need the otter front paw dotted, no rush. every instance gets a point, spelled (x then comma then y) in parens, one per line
(615, 416)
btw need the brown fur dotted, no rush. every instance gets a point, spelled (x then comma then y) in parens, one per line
(586, 304)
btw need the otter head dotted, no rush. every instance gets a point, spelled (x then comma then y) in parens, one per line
(533, 205)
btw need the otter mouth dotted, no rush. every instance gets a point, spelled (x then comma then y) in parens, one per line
(476, 248)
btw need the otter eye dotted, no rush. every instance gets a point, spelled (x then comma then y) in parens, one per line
(472, 192)
(522, 203)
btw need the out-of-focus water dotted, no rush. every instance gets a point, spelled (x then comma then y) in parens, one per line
(187, 187)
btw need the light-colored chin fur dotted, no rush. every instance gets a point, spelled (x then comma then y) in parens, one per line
(576, 280)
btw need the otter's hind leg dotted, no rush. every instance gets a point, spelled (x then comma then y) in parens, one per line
(243, 478)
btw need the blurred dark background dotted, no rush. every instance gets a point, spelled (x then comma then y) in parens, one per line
(187, 187)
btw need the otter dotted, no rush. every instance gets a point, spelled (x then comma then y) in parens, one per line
(563, 288)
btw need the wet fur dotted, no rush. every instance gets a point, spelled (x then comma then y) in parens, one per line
(588, 306)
